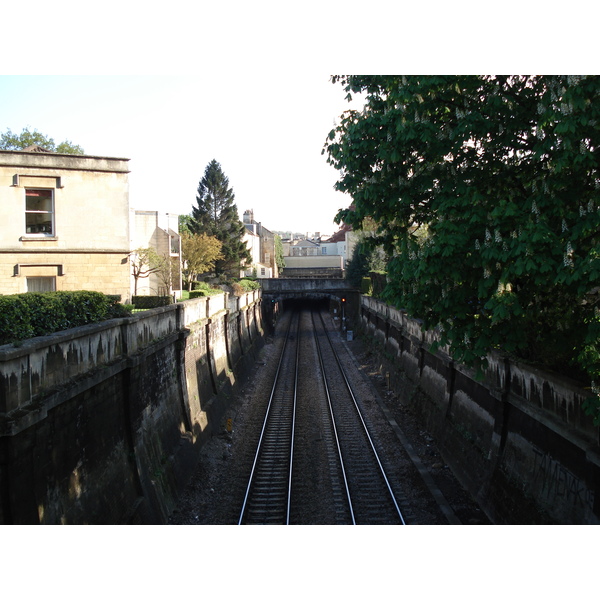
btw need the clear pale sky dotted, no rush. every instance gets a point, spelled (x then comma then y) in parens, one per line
(172, 87)
(266, 130)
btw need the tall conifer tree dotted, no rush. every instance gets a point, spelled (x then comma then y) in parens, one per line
(215, 213)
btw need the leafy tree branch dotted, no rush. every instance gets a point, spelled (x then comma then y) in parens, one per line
(503, 176)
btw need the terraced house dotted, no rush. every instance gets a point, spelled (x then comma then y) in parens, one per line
(64, 222)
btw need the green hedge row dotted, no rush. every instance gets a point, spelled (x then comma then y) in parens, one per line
(146, 302)
(23, 316)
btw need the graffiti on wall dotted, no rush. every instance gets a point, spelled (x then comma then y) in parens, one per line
(555, 481)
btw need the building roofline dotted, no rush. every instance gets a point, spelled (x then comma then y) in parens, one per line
(53, 162)
(50, 153)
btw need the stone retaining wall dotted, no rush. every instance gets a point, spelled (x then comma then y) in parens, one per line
(104, 423)
(518, 439)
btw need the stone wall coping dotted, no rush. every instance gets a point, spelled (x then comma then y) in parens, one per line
(20, 159)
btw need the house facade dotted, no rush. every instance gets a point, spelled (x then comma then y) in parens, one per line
(64, 223)
(304, 247)
(317, 257)
(159, 231)
(341, 243)
(261, 244)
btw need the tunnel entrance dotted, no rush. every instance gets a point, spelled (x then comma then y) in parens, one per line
(339, 307)
(336, 295)
(306, 303)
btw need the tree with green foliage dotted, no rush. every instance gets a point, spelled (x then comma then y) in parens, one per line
(486, 195)
(358, 266)
(12, 141)
(200, 253)
(216, 214)
(279, 258)
(367, 257)
(184, 224)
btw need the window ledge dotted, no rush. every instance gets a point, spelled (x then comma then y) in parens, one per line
(35, 238)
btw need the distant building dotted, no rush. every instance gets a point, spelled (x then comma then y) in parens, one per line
(341, 243)
(303, 248)
(261, 243)
(318, 257)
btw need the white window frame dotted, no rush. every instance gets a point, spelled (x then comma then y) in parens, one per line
(41, 234)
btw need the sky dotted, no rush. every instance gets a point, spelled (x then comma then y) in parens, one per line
(266, 130)
(246, 84)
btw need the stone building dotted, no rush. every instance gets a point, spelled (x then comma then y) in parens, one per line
(261, 243)
(64, 222)
(319, 257)
(159, 231)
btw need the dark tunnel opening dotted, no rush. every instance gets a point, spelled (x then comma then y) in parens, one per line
(308, 303)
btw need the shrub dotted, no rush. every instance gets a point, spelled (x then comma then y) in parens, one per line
(366, 286)
(249, 285)
(244, 285)
(117, 310)
(146, 302)
(206, 289)
(14, 319)
(23, 316)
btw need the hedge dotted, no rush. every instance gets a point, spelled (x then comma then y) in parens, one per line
(33, 314)
(146, 302)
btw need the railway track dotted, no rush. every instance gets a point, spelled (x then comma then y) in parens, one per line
(371, 499)
(313, 417)
(267, 499)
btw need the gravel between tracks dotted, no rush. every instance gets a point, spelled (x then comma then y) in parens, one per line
(215, 492)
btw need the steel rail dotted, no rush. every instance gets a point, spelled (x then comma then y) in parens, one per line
(289, 495)
(266, 422)
(333, 425)
(349, 388)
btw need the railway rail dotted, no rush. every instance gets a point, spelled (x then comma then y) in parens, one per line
(267, 499)
(311, 392)
(371, 499)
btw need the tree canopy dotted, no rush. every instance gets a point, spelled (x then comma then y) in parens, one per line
(216, 214)
(485, 193)
(200, 253)
(12, 141)
(279, 258)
